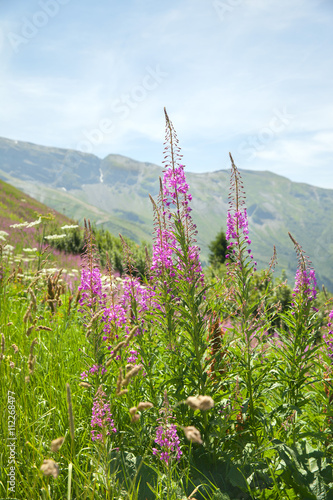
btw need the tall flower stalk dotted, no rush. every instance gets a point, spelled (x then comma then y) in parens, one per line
(248, 316)
(176, 269)
(300, 339)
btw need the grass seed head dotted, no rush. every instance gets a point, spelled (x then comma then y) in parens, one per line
(119, 381)
(29, 330)
(16, 349)
(27, 316)
(85, 384)
(135, 418)
(144, 406)
(132, 374)
(122, 392)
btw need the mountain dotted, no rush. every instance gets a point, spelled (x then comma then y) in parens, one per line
(114, 193)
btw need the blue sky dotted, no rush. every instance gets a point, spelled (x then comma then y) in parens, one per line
(253, 77)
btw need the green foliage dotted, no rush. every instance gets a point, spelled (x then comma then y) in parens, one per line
(218, 249)
(108, 245)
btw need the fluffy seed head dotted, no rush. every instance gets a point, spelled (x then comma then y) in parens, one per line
(50, 468)
(192, 434)
(144, 406)
(202, 403)
(56, 444)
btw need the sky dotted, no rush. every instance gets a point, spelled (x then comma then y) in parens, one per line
(250, 77)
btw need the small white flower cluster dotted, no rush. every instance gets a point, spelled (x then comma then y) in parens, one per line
(55, 236)
(3, 235)
(29, 250)
(69, 227)
(27, 224)
(7, 249)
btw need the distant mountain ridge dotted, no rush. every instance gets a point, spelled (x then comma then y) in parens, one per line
(114, 192)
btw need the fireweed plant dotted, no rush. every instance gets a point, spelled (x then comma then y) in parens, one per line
(300, 341)
(180, 387)
(177, 276)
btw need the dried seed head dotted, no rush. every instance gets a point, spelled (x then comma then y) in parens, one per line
(46, 328)
(50, 468)
(56, 444)
(115, 350)
(27, 315)
(132, 374)
(33, 343)
(11, 364)
(119, 381)
(206, 403)
(2, 343)
(122, 392)
(202, 403)
(33, 299)
(133, 410)
(192, 434)
(31, 363)
(144, 406)
(16, 349)
(27, 379)
(192, 402)
(135, 418)
(84, 384)
(30, 330)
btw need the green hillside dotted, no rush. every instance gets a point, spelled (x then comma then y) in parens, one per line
(17, 207)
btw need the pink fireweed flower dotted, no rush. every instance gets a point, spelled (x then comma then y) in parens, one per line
(101, 417)
(166, 436)
(168, 440)
(133, 356)
(174, 251)
(91, 287)
(237, 233)
(166, 249)
(236, 223)
(305, 282)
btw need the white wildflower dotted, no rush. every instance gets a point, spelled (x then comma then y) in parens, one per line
(28, 250)
(22, 224)
(55, 236)
(35, 222)
(7, 249)
(70, 227)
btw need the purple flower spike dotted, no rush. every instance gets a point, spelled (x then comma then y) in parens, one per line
(101, 416)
